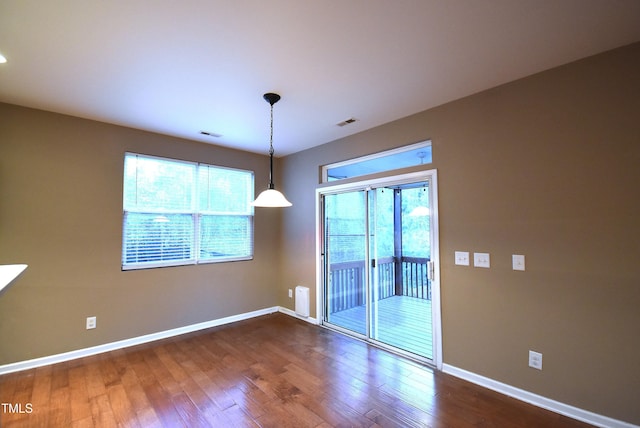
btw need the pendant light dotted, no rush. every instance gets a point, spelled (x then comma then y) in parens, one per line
(271, 197)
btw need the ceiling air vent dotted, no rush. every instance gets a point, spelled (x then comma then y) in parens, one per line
(346, 121)
(210, 134)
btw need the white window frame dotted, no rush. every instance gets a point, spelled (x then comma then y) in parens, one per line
(384, 154)
(196, 212)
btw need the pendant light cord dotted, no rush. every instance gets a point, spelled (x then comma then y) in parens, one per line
(271, 137)
(271, 98)
(271, 151)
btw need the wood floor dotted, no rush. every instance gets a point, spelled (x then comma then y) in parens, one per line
(271, 371)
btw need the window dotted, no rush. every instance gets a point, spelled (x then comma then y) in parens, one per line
(402, 157)
(178, 213)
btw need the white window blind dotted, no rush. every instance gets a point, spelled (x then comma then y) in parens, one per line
(226, 214)
(178, 213)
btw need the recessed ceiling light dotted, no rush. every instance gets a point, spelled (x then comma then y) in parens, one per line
(2, 59)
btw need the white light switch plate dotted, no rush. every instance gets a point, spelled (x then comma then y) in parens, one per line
(518, 262)
(462, 258)
(481, 260)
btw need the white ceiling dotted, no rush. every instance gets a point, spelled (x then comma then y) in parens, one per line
(179, 67)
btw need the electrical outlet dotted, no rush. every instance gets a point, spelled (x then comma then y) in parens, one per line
(535, 360)
(290, 293)
(91, 323)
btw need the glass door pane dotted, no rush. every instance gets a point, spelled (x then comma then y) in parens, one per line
(345, 224)
(400, 246)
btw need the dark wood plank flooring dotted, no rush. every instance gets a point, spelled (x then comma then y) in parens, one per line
(271, 371)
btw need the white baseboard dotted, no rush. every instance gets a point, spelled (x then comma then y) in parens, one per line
(537, 400)
(291, 313)
(80, 353)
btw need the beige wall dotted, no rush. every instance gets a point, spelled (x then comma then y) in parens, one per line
(548, 167)
(61, 212)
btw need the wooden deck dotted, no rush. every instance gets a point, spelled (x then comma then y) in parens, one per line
(403, 322)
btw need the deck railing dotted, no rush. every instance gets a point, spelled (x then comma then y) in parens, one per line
(347, 285)
(415, 280)
(347, 281)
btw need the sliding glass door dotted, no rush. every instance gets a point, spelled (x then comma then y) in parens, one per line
(378, 263)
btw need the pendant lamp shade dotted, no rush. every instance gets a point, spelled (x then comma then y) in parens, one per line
(271, 198)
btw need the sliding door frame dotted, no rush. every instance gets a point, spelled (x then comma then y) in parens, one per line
(430, 175)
